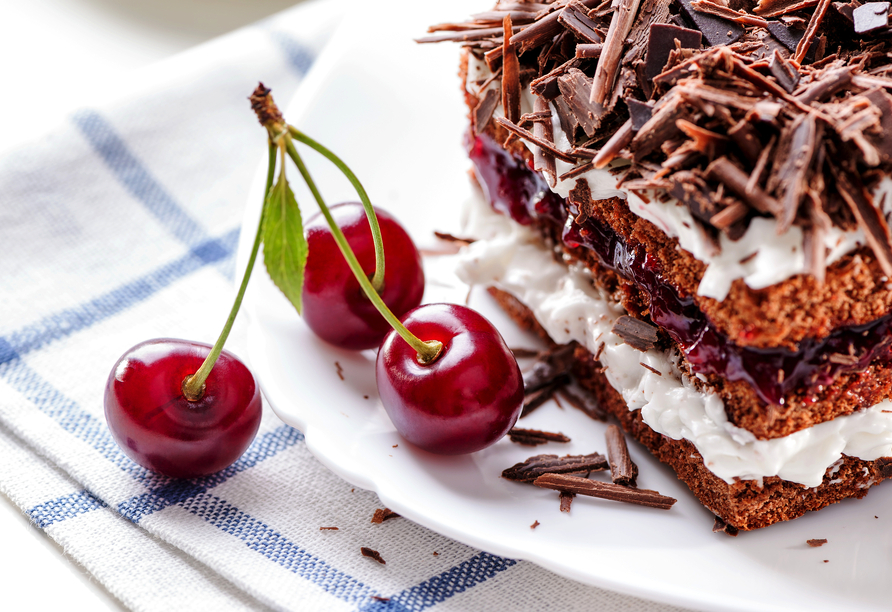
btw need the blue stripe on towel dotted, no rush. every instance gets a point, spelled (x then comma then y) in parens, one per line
(66, 322)
(64, 508)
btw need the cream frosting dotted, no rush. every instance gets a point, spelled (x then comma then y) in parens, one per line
(569, 307)
(768, 258)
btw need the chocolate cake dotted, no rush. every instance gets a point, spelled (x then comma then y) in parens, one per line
(696, 193)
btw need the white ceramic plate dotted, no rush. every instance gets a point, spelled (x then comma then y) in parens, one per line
(394, 111)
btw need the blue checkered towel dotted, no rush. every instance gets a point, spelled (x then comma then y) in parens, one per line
(121, 225)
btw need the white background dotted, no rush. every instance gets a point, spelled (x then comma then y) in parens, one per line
(56, 56)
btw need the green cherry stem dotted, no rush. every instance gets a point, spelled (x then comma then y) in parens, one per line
(378, 277)
(193, 386)
(427, 351)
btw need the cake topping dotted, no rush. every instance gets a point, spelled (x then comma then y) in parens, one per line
(535, 437)
(631, 82)
(604, 490)
(534, 467)
(623, 470)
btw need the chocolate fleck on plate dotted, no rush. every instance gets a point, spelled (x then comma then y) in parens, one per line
(372, 554)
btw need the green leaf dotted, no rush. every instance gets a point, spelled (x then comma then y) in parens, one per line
(284, 245)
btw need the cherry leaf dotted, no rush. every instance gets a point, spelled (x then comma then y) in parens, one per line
(284, 244)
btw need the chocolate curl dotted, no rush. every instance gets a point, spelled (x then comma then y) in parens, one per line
(611, 53)
(510, 75)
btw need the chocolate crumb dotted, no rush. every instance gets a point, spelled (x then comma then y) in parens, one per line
(372, 554)
(566, 500)
(534, 525)
(652, 369)
(340, 370)
(721, 525)
(535, 437)
(328, 529)
(379, 598)
(394, 446)
(521, 353)
(383, 514)
(826, 560)
(436, 554)
(450, 238)
(816, 542)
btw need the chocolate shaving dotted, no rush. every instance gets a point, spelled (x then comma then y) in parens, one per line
(372, 554)
(552, 366)
(539, 142)
(623, 470)
(543, 159)
(328, 529)
(465, 35)
(603, 490)
(574, 87)
(825, 87)
(794, 172)
(575, 18)
(510, 76)
(636, 333)
(484, 110)
(535, 524)
(382, 514)
(584, 51)
(520, 353)
(534, 467)
(608, 63)
(451, 238)
(585, 403)
(773, 8)
(547, 85)
(619, 141)
(661, 127)
(566, 500)
(639, 112)
(535, 437)
(868, 216)
(721, 526)
(724, 171)
(783, 72)
(813, 25)
(711, 8)
(816, 542)
(538, 397)
(536, 34)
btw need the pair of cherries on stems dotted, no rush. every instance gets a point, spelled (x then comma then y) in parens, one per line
(186, 409)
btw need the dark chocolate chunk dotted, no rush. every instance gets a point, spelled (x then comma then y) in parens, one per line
(623, 470)
(575, 18)
(636, 333)
(535, 437)
(847, 10)
(715, 30)
(382, 514)
(774, 8)
(884, 465)
(534, 467)
(484, 110)
(604, 490)
(639, 112)
(785, 35)
(871, 16)
(372, 554)
(662, 42)
(547, 84)
(816, 542)
(575, 88)
(784, 73)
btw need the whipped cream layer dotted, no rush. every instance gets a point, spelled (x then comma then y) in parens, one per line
(569, 307)
(768, 258)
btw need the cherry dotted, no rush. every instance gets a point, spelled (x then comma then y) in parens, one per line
(334, 305)
(466, 398)
(156, 426)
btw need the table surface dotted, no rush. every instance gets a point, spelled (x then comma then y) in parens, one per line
(66, 54)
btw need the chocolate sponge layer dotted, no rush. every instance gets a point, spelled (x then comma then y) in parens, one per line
(744, 504)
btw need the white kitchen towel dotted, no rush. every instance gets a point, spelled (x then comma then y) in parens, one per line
(121, 225)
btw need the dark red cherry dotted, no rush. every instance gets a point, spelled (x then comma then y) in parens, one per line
(466, 399)
(334, 305)
(156, 426)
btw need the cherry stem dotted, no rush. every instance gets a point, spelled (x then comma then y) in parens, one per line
(193, 386)
(428, 351)
(378, 277)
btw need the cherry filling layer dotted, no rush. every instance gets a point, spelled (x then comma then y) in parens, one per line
(513, 188)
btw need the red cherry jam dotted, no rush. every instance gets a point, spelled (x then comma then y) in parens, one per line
(513, 188)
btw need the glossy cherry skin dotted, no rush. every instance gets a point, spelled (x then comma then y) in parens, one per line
(156, 426)
(334, 305)
(464, 401)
